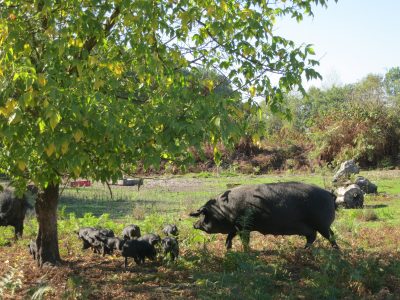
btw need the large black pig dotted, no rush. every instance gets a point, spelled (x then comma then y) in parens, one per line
(12, 211)
(289, 208)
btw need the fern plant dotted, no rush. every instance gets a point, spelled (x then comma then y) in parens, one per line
(10, 282)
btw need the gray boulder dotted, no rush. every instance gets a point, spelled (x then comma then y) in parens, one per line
(366, 186)
(346, 169)
(350, 197)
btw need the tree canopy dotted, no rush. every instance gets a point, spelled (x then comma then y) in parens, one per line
(90, 88)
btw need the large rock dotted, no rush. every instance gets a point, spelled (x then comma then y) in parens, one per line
(346, 169)
(350, 197)
(366, 186)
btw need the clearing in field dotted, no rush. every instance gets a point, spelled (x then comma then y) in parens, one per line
(368, 265)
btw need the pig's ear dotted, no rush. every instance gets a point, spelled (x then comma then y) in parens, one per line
(195, 214)
(224, 196)
(198, 212)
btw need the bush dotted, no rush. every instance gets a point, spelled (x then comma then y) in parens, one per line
(367, 132)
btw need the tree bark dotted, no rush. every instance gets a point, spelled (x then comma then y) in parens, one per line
(47, 238)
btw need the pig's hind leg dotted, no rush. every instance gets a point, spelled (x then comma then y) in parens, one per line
(330, 236)
(311, 236)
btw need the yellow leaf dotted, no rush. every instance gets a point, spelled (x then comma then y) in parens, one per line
(93, 60)
(77, 171)
(246, 12)
(246, 106)
(28, 98)
(255, 138)
(98, 84)
(78, 135)
(50, 149)
(224, 6)
(21, 165)
(150, 39)
(45, 103)
(116, 68)
(54, 119)
(64, 147)
(252, 90)
(169, 81)
(75, 42)
(15, 117)
(159, 128)
(27, 48)
(41, 79)
(129, 19)
(42, 126)
(209, 84)
(8, 108)
(217, 121)
(210, 10)
(148, 80)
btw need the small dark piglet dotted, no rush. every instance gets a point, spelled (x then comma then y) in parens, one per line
(82, 234)
(109, 244)
(32, 249)
(151, 238)
(106, 232)
(170, 229)
(170, 245)
(90, 237)
(131, 232)
(138, 250)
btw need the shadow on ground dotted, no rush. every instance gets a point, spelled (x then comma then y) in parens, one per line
(117, 209)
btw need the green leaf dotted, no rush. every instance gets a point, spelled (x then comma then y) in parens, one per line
(54, 119)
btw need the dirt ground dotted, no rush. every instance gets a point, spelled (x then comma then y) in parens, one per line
(90, 276)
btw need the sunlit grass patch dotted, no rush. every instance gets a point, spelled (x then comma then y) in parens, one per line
(6, 235)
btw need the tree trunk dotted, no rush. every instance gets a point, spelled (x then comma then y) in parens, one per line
(47, 238)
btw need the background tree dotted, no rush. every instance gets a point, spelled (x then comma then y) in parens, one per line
(90, 88)
(392, 84)
(358, 121)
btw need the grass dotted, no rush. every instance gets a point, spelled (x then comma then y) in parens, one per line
(367, 267)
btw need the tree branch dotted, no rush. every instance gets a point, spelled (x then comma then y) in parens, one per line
(91, 42)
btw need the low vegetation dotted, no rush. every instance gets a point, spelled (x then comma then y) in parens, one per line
(367, 267)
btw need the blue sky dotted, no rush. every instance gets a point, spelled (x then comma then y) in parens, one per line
(351, 38)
